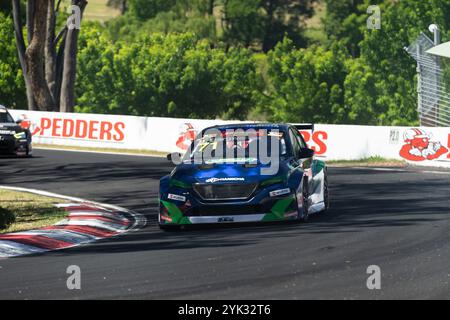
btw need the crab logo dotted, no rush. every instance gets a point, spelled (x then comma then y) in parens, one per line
(419, 146)
(27, 124)
(187, 134)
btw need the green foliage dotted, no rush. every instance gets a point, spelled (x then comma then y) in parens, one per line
(174, 75)
(5, 7)
(6, 218)
(307, 84)
(245, 22)
(393, 70)
(147, 9)
(12, 87)
(345, 20)
(266, 21)
(183, 16)
(374, 84)
(285, 18)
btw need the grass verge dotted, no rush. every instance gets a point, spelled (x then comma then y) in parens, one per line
(368, 162)
(29, 211)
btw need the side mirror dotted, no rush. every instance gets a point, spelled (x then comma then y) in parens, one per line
(174, 156)
(306, 153)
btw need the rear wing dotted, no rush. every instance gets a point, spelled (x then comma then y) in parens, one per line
(304, 127)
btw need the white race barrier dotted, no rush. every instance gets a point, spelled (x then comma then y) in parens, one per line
(428, 146)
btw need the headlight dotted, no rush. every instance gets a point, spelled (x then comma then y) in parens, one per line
(20, 135)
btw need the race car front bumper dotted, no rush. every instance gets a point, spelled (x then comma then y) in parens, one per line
(9, 145)
(263, 210)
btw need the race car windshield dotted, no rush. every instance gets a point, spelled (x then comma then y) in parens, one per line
(237, 145)
(5, 117)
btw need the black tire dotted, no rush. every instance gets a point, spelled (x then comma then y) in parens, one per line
(28, 153)
(305, 206)
(169, 228)
(326, 192)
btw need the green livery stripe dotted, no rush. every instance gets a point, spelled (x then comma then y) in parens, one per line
(179, 184)
(278, 210)
(175, 213)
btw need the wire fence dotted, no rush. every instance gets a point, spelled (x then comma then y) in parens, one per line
(433, 84)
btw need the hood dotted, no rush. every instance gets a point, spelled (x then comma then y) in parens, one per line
(223, 173)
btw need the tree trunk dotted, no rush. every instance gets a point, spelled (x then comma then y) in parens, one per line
(20, 42)
(48, 62)
(30, 19)
(34, 58)
(211, 7)
(67, 98)
(50, 51)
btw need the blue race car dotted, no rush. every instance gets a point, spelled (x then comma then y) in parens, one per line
(244, 173)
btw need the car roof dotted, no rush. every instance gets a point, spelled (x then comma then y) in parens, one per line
(252, 125)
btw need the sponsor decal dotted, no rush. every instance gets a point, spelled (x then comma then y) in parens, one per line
(166, 218)
(317, 140)
(7, 132)
(176, 197)
(419, 145)
(76, 129)
(213, 180)
(279, 192)
(225, 219)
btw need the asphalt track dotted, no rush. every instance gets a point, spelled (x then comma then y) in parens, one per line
(398, 220)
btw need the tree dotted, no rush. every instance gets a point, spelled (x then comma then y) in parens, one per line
(285, 18)
(49, 61)
(393, 70)
(266, 21)
(5, 7)
(244, 22)
(306, 84)
(12, 86)
(345, 21)
(121, 5)
(176, 75)
(145, 9)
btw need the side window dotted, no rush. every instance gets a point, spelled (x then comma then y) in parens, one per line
(9, 118)
(300, 139)
(295, 144)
